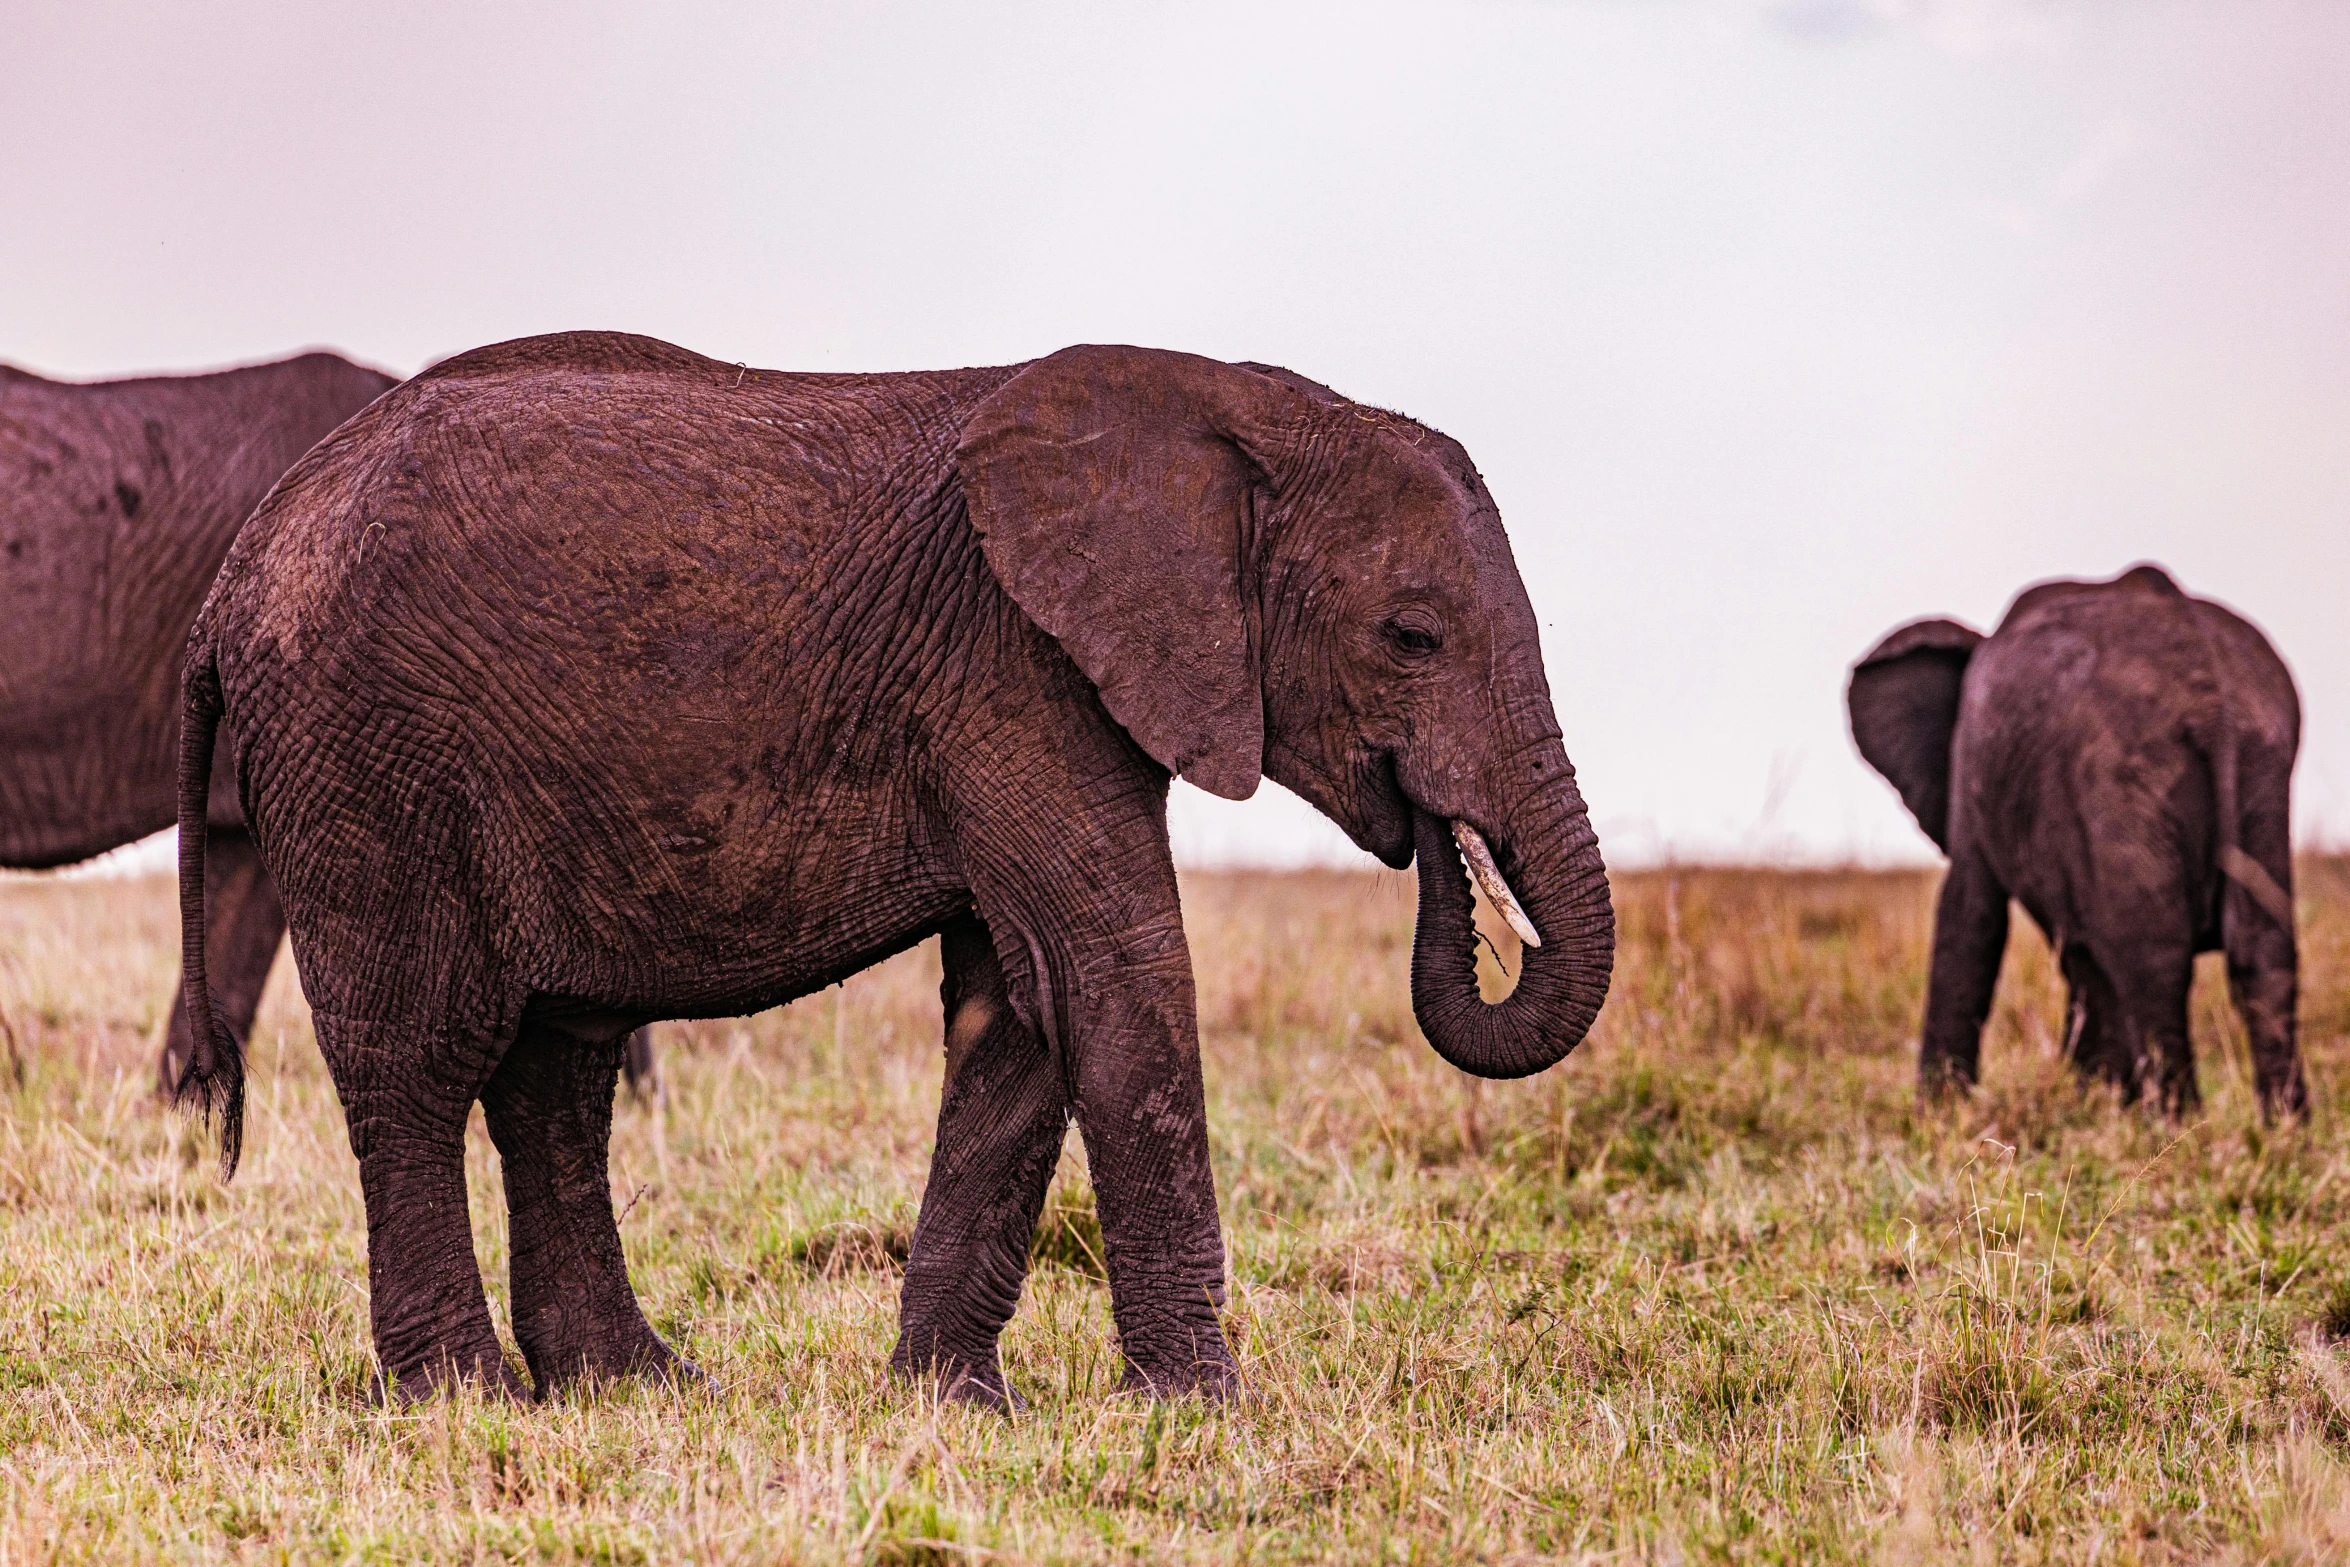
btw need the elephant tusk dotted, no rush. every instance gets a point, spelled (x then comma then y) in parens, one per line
(1488, 877)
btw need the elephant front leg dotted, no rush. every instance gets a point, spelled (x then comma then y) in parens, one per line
(1142, 1111)
(1970, 938)
(243, 925)
(549, 1108)
(1001, 1121)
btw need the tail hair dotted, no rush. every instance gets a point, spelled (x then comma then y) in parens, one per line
(213, 1082)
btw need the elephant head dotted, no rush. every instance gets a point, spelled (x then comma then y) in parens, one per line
(1259, 576)
(1904, 705)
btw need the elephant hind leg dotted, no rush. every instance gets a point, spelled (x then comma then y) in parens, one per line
(243, 927)
(2135, 1028)
(2096, 1040)
(2264, 982)
(549, 1108)
(407, 1087)
(2256, 923)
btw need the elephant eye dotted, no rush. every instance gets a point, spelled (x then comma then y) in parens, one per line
(1413, 635)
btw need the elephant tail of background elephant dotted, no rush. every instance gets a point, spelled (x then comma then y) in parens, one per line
(214, 1082)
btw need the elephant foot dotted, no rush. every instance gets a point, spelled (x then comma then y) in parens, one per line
(641, 1357)
(1195, 1362)
(433, 1379)
(1171, 1333)
(2285, 1101)
(1218, 1382)
(1942, 1081)
(981, 1387)
(974, 1379)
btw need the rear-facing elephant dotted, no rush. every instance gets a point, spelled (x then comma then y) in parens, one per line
(583, 681)
(2118, 758)
(118, 501)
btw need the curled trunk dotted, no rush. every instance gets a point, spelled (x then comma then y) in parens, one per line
(1551, 860)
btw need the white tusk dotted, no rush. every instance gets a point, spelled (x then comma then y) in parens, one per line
(1488, 877)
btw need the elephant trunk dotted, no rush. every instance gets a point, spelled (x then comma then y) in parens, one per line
(1550, 859)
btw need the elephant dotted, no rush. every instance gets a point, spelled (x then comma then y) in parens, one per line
(118, 501)
(2118, 758)
(583, 681)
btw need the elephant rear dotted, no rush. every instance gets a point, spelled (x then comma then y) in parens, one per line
(2117, 757)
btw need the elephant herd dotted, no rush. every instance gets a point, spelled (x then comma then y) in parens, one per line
(581, 682)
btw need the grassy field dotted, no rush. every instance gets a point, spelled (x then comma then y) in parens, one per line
(1715, 1289)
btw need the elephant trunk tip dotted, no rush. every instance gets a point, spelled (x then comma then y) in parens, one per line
(1568, 930)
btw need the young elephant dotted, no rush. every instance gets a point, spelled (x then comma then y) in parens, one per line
(2117, 757)
(118, 501)
(584, 680)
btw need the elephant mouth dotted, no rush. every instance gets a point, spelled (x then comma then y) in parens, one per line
(1388, 834)
(1377, 813)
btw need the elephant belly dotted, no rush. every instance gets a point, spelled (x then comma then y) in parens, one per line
(75, 784)
(675, 916)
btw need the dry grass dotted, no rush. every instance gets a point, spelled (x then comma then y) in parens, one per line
(1715, 1289)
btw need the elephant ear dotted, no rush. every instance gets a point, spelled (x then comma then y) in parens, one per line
(1904, 704)
(1112, 490)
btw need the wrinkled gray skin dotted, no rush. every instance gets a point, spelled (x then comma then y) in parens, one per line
(118, 501)
(583, 680)
(2118, 758)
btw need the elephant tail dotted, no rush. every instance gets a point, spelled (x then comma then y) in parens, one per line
(213, 1083)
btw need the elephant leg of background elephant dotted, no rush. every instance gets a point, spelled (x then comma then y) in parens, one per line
(2096, 1034)
(243, 926)
(2263, 957)
(549, 1107)
(640, 1065)
(2265, 985)
(2152, 970)
(1970, 938)
(431, 1321)
(1001, 1122)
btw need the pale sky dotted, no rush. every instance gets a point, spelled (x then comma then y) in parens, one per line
(1771, 323)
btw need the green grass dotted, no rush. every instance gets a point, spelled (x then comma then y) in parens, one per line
(1715, 1289)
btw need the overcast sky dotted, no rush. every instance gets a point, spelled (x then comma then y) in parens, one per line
(1772, 325)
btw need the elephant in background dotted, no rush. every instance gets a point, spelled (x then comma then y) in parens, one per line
(583, 681)
(118, 501)
(2118, 758)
